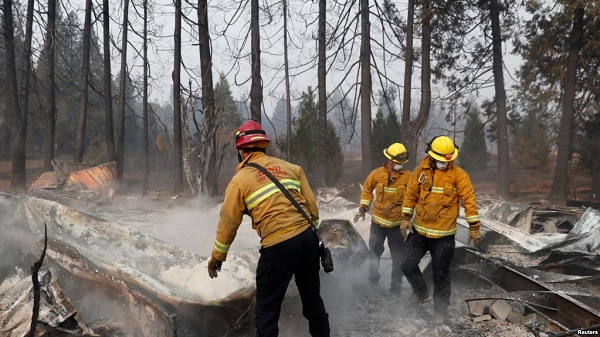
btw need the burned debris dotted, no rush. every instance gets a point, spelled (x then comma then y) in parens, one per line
(536, 273)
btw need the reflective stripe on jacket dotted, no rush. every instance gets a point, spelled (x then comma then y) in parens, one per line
(274, 217)
(383, 192)
(434, 196)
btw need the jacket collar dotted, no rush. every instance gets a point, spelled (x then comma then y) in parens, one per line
(251, 157)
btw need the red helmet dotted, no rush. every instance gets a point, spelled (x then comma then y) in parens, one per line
(251, 134)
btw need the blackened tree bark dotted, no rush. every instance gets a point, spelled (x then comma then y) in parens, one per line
(365, 89)
(25, 71)
(256, 90)
(85, 74)
(415, 128)
(122, 95)
(145, 140)
(565, 141)
(18, 130)
(50, 137)
(208, 154)
(177, 141)
(322, 157)
(109, 137)
(288, 103)
(503, 178)
(408, 71)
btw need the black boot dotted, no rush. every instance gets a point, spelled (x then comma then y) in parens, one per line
(416, 298)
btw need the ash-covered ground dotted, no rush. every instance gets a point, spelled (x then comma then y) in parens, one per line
(358, 310)
(355, 308)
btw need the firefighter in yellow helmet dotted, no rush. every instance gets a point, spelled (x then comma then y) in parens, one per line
(289, 247)
(436, 189)
(383, 192)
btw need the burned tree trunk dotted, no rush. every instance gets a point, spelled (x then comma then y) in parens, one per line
(36, 285)
(85, 74)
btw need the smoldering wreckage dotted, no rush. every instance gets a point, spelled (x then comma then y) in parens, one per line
(109, 270)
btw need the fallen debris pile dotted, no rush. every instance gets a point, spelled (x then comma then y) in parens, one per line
(537, 272)
(56, 313)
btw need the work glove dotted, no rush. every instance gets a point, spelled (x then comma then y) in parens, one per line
(474, 234)
(360, 214)
(405, 227)
(214, 265)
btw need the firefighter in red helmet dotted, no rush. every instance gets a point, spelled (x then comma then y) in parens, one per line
(289, 247)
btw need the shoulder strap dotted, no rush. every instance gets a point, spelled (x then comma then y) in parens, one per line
(284, 191)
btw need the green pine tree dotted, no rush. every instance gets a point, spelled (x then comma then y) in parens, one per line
(588, 144)
(386, 128)
(228, 120)
(378, 139)
(304, 143)
(473, 153)
(531, 144)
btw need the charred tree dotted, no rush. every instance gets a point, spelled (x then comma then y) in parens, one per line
(365, 89)
(177, 145)
(109, 137)
(85, 74)
(322, 71)
(288, 96)
(36, 285)
(190, 147)
(208, 154)
(18, 129)
(416, 126)
(26, 71)
(565, 141)
(50, 137)
(145, 135)
(122, 95)
(503, 181)
(256, 90)
(408, 71)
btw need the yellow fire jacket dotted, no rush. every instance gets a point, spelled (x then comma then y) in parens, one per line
(389, 191)
(274, 217)
(435, 194)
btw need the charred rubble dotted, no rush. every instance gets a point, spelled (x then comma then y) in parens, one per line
(111, 271)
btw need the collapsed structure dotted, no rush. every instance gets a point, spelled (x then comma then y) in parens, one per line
(102, 277)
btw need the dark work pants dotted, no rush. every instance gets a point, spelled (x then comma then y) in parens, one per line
(296, 256)
(377, 236)
(442, 251)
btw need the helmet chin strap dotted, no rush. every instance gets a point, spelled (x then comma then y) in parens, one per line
(240, 157)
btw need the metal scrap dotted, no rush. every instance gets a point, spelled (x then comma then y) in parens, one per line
(98, 179)
(168, 293)
(16, 301)
(343, 240)
(584, 237)
(56, 179)
(173, 277)
(570, 312)
(514, 223)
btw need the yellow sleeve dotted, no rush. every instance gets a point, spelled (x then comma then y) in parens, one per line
(366, 197)
(466, 193)
(230, 219)
(412, 193)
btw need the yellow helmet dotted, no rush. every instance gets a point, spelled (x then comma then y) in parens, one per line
(396, 153)
(442, 148)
